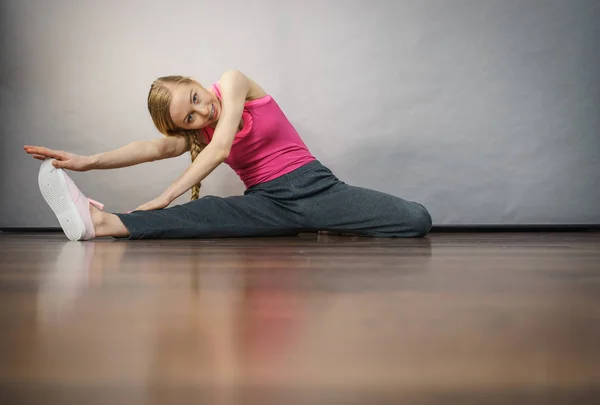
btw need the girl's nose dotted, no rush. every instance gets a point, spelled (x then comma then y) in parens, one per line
(204, 110)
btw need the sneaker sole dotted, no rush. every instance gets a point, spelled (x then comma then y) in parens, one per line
(56, 193)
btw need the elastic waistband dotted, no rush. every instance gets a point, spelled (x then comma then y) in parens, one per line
(288, 176)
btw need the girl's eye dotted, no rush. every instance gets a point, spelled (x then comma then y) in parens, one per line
(189, 118)
(195, 98)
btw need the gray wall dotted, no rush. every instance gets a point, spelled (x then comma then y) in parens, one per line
(485, 111)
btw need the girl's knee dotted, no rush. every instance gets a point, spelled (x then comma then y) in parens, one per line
(421, 221)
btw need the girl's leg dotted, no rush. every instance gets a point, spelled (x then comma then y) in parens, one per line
(328, 204)
(347, 209)
(167, 223)
(207, 217)
(211, 217)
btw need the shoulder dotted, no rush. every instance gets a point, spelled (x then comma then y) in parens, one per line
(237, 82)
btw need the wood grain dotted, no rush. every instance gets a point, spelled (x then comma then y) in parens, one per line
(313, 319)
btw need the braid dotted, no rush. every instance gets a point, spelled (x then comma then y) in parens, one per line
(195, 150)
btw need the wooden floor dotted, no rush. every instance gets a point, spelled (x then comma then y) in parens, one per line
(314, 319)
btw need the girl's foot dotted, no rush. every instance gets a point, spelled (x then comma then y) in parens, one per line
(68, 203)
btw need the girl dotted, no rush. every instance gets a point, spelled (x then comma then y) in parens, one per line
(287, 190)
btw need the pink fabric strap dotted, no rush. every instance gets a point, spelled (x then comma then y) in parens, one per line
(96, 204)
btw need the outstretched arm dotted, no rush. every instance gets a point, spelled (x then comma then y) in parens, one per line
(140, 152)
(129, 155)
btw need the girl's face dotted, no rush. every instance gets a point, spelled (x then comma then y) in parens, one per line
(194, 107)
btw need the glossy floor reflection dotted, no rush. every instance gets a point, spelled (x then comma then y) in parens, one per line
(314, 319)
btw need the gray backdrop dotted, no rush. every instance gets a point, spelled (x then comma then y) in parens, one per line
(487, 111)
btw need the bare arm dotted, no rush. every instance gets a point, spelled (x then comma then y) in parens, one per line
(131, 154)
(140, 152)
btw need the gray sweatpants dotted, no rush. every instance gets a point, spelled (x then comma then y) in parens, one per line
(308, 199)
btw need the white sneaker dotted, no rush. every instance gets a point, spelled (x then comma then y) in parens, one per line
(70, 206)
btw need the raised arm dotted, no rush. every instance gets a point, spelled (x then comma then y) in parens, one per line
(129, 155)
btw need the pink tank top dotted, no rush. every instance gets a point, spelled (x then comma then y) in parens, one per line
(267, 147)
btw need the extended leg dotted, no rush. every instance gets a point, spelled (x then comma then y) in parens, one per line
(213, 217)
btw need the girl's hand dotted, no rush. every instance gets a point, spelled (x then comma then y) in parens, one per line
(158, 203)
(64, 160)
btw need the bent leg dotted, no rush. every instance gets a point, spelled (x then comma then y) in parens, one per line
(348, 209)
(212, 217)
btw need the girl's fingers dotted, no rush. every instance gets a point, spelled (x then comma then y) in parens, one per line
(39, 157)
(38, 153)
(36, 150)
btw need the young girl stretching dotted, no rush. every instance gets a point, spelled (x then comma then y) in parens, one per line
(235, 122)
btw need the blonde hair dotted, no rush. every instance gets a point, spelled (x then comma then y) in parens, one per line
(159, 102)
